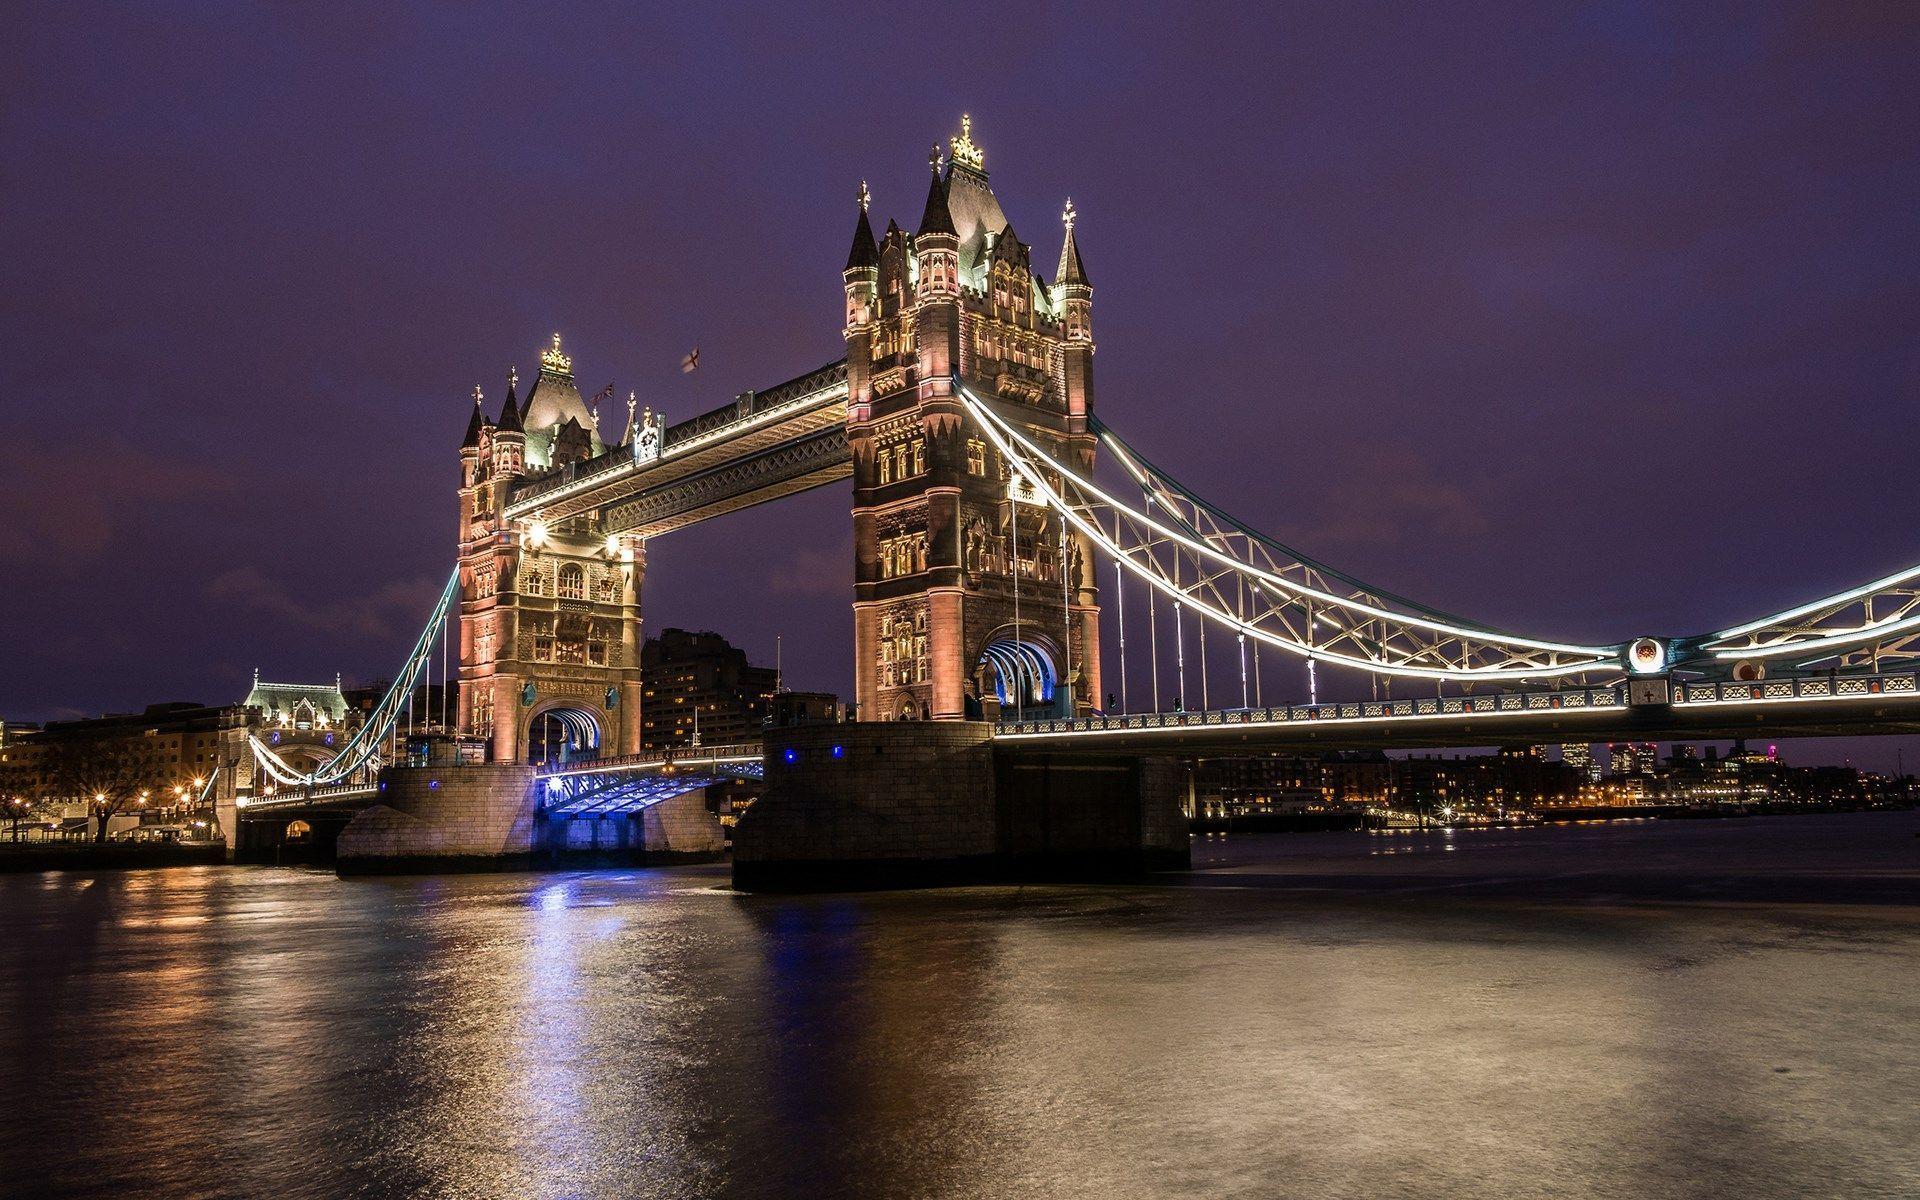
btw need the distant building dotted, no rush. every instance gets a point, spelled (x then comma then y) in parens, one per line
(190, 744)
(1633, 758)
(1579, 756)
(699, 682)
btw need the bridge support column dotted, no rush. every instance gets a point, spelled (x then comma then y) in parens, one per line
(446, 818)
(912, 804)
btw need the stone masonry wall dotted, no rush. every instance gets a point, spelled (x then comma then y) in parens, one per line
(443, 818)
(901, 801)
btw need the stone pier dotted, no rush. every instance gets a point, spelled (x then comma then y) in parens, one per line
(488, 818)
(910, 804)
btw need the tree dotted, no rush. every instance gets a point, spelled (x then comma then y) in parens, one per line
(16, 783)
(108, 777)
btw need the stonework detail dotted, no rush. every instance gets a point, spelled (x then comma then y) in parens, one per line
(569, 626)
(936, 522)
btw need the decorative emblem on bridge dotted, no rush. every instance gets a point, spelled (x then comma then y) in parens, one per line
(965, 152)
(552, 360)
(650, 440)
(1646, 656)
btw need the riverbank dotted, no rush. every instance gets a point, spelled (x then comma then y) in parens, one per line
(111, 856)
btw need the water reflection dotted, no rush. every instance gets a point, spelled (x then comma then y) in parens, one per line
(1603, 1011)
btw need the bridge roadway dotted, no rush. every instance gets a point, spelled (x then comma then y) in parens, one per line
(760, 447)
(1812, 706)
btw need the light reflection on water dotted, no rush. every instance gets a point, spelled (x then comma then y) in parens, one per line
(1608, 1011)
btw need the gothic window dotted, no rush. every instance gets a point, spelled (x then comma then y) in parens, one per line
(570, 652)
(482, 720)
(597, 653)
(919, 450)
(543, 649)
(976, 457)
(573, 582)
(533, 581)
(886, 466)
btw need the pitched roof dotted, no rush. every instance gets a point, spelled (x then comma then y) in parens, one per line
(1071, 269)
(276, 698)
(1007, 245)
(936, 218)
(509, 421)
(474, 425)
(864, 253)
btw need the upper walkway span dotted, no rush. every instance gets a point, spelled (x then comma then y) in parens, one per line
(760, 447)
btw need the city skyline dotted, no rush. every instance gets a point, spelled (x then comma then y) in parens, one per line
(251, 551)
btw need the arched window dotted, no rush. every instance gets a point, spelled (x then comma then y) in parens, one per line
(573, 582)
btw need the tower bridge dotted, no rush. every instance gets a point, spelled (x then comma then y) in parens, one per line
(1043, 618)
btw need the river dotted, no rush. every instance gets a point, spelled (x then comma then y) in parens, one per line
(1636, 1009)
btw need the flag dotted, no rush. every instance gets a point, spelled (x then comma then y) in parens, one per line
(691, 361)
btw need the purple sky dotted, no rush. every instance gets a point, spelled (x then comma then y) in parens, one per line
(1589, 325)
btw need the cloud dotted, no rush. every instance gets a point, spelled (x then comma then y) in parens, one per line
(383, 614)
(811, 572)
(100, 488)
(1390, 496)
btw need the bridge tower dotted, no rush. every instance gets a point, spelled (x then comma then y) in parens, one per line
(549, 611)
(965, 587)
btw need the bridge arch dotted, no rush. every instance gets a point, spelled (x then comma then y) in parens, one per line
(1021, 672)
(564, 731)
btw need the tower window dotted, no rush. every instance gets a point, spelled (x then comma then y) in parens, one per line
(573, 582)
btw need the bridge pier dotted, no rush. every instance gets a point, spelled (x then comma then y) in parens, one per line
(913, 803)
(490, 817)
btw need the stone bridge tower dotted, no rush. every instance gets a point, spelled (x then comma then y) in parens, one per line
(966, 592)
(549, 611)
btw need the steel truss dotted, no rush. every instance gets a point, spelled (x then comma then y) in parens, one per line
(1204, 560)
(1857, 630)
(363, 748)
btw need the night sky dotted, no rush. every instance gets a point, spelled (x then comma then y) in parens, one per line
(1589, 323)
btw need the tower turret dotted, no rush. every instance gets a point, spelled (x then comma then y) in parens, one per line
(509, 435)
(936, 247)
(1073, 300)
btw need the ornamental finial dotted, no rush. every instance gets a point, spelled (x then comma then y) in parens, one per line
(1069, 215)
(477, 396)
(933, 158)
(633, 399)
(964, 151)
(866, 197)
(552, 360)
(513, 377)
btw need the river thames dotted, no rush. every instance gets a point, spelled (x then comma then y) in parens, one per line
(1638, 1009)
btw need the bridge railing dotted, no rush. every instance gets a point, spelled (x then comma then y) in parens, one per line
(1803, 687)
(1349, 710)
(299, 796)
(689, 756)
(1836, 687)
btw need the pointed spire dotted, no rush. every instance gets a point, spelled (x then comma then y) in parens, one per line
(509, 421)
(633, 426)
(475, 424)
(864, 252)
(1071, 270)
(937, 218)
